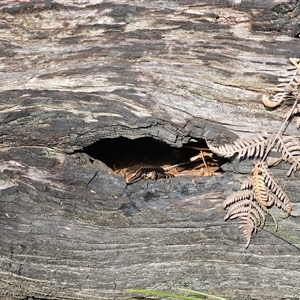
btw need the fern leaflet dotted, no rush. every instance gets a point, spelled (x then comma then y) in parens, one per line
(242, 205)
(288, 85)
(251, 203)
(245, 147)
(289, 146)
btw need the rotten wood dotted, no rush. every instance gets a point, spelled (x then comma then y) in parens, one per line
(77, 72)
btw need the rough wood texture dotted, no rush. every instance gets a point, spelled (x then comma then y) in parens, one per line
(76, 72)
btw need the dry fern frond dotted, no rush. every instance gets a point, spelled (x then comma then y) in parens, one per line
(289, 83)
(266, 189)
(248, 184)
(266, 210)
(289, 146)
(251, 204)
(260, 192)
(269, 102)
(241, 204)
(277, 195)
(244, 147)
(284, 205)
(236, 199)
(251, 216)
(248, 225)
(259, 187)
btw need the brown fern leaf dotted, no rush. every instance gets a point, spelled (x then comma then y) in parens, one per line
(289, 82)
(248, 226)
(264, 211)
(276, 195)
(248, 184)
(251, 219)
(252, 216)
(259, 187)
(284, 205)
(249, 208)
(254, 147)
(241, 204)
(237, 203)
(237, 196)
(266, 189)
(289, 146)
(251, 204)
(267, 211)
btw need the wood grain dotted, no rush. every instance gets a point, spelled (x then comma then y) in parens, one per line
(76, 72)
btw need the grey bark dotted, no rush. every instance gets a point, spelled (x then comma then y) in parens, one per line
(76, 72)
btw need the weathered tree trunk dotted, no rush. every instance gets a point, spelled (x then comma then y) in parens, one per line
(176, 71)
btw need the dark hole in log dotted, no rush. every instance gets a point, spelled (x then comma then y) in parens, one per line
(122, 153)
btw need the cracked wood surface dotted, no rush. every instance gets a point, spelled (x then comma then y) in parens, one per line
(75, 72)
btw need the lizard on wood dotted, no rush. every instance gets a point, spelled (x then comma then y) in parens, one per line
(139, 172)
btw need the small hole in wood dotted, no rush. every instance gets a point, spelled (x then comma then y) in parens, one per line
(121, 153)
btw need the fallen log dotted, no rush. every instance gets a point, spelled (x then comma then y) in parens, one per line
(90, 89)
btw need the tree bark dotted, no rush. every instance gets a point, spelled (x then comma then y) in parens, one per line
(78, 72)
